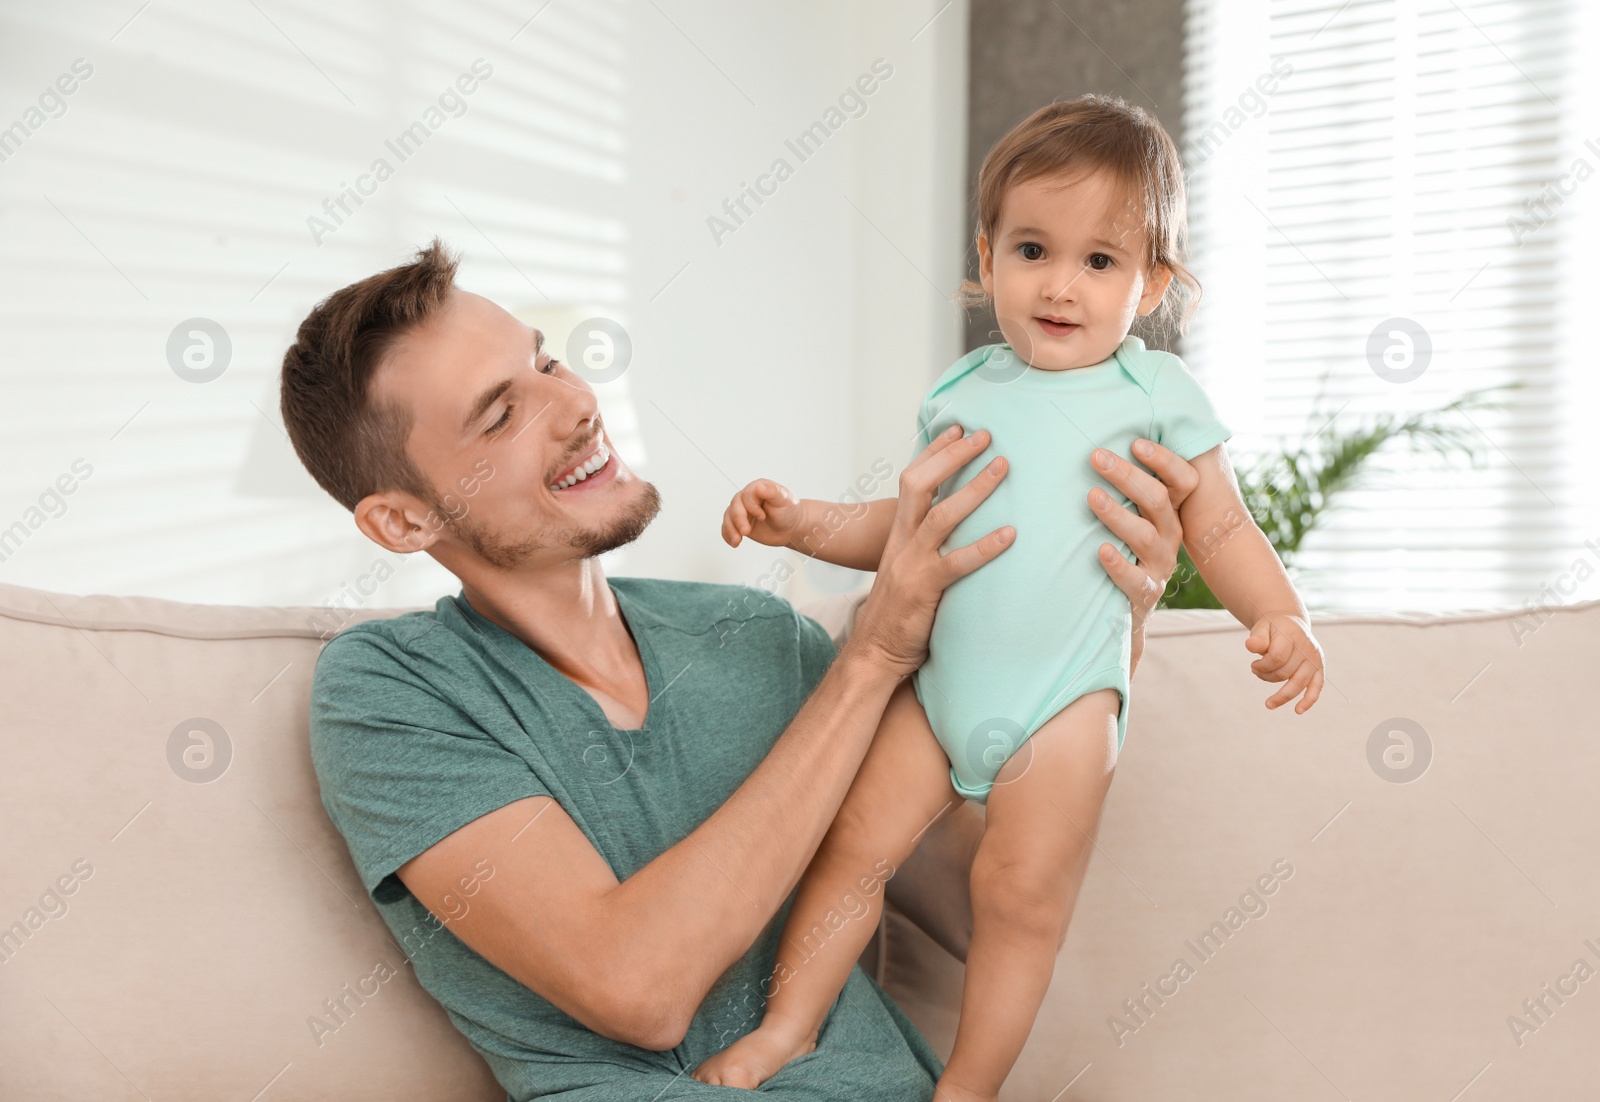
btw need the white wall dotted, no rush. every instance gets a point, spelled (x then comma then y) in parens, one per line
(178, 180)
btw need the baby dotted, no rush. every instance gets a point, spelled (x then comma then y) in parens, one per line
(1022, 704)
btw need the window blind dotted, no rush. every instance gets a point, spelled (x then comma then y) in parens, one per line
(1350, 164)
(218, 163)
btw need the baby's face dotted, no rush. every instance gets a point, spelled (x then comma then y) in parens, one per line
(1066, 270)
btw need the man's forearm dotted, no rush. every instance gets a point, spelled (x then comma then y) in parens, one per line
(850, 535)
(701, 904)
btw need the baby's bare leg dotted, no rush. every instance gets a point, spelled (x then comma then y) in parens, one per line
(902, 788)
(1041, 819)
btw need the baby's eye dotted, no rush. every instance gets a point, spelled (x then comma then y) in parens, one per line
(1095, 261)
(1030, 250)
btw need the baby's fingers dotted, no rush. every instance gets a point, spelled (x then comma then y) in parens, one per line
(735, 523)
(764, 492)
(1312, 693)
(1280, 657)
(1298, 681)
(749, 500)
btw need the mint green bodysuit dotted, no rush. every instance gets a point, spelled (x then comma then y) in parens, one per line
(1032, 630)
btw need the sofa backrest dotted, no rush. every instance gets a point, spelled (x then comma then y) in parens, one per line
(179, 913)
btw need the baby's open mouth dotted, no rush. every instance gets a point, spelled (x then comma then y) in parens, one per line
(1057, 328)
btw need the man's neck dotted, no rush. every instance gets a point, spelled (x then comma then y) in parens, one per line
(568, 615)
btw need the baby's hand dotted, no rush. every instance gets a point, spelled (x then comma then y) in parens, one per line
(1289, 652)
(765, 511)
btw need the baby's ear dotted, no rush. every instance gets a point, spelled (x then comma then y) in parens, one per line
(1156, 282)
(985, 263)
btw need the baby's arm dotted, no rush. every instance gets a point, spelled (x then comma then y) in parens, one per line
(1240, 565)
(850, 535)
(845, 534)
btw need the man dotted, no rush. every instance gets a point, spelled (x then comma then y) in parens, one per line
(580, 804)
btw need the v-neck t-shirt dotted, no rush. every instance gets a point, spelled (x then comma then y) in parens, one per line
(423, 722)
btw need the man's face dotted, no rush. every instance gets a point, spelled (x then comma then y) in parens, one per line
(497, 424)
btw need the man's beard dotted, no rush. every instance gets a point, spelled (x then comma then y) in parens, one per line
(505, 554)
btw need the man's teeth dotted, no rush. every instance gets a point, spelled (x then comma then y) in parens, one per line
(584, 470)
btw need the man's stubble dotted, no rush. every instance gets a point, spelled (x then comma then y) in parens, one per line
(505, 553)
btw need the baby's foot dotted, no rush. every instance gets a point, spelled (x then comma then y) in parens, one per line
(753, 1058)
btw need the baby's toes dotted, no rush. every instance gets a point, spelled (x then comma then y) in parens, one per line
(719, 1071)
(708, 1072)
(742, 1075)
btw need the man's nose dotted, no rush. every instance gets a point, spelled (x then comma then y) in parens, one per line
(573, 410)
(578, 426)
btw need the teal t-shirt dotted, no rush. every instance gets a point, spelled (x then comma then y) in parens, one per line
(1043, 624)
(423, 722)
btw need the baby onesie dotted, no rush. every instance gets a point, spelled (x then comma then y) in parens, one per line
(1029, 632)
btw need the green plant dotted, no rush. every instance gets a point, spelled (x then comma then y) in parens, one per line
(1289, 493)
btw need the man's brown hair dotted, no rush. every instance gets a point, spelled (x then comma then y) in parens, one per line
(1098, 132)
(353, 445)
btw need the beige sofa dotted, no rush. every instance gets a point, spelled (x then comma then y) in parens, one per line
(1280, 906)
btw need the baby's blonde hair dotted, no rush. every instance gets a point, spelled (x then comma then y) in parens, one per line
(1077, 137)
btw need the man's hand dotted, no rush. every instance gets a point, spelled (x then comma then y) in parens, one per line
(1289, 652)
(1154, 533)
(896, 618)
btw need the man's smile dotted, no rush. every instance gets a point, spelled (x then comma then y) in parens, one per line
(595, 468)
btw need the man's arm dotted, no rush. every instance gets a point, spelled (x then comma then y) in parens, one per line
(634, 960)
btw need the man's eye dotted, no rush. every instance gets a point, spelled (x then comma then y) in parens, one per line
(1030, 250)
(1096, 258)
(505, 419)
(550, 366)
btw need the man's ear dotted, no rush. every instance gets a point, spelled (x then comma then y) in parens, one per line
(397, 522)
(1155, 286)
(985, 264)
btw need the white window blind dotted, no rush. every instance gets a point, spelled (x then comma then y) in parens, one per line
(178, 181)
(1426, 160)
(218, 163)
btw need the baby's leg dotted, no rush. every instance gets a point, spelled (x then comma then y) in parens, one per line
(1042, 815)
(902, 788)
